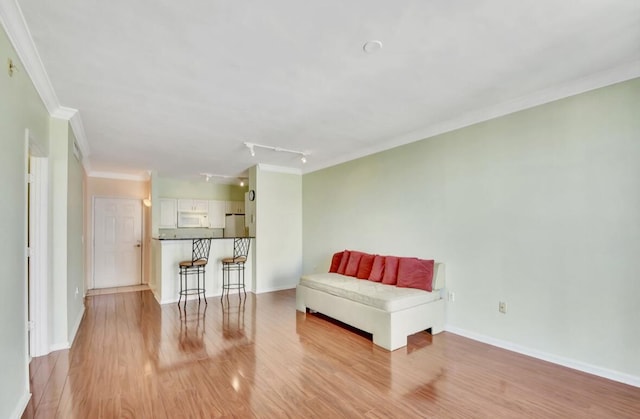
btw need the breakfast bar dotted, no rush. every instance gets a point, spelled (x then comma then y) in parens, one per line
(168, 252)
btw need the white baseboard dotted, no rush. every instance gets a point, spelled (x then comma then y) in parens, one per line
(545, 356)
(59, 346)
(76, 325)
(155, 295)
(278, 288)
(21, 406)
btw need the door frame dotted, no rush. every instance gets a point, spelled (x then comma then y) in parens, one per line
(93, 235)
(37, 259)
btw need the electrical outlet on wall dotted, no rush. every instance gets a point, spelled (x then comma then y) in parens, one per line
(502, 307)
(452, 296)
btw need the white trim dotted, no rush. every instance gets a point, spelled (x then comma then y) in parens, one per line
(279, 169)
(59, 346)
(120, 176)
(278, 288)
(38, 291)
(76, 325)
(25, 261)
(594, 81)
(545, 356)
(62, 112)
(81, 135)
(21, 406)
(15, 26)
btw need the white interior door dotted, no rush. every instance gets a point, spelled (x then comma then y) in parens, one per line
(117, 235)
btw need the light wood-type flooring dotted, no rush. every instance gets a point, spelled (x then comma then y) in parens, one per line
(133, 358)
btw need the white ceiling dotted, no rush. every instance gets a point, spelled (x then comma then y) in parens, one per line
(179, 86)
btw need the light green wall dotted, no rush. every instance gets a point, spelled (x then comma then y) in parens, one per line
(75, 248)
(59, 163)
(66, 236)
(20, 108)
(162, 187)
(278, 243)
(538, 208)
(175, 188)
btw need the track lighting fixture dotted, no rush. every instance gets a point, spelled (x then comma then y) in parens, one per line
(252, 147)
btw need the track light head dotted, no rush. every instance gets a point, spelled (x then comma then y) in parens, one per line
(250, 146)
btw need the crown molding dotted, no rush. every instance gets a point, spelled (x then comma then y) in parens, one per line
(279, 169)
(62, 112)
(574, 87)
(15, 26)
(78, 130)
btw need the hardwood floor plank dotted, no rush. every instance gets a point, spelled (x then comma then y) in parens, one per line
(133, 358)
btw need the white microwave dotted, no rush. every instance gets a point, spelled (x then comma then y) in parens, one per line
(190, 219)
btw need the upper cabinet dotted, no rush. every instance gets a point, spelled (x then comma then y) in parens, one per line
(216, 214)
(235, 207)
(168, 213)
(193, 205)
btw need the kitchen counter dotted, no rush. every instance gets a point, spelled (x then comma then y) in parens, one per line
(168, 252)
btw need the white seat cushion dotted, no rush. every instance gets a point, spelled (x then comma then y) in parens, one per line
(384, 297)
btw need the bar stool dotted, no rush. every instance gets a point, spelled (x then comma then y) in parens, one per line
(235, 263)
(196, 266)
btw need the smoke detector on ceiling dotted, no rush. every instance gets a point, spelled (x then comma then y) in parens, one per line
(372, 46)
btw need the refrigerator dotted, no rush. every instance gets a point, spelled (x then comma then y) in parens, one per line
(234, 226)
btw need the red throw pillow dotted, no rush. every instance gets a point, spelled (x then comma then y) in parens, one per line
(335, 262)
(343, 262)
(364, 269)
(377, 270)
(354, 262)
(415, 273)
(390, 275)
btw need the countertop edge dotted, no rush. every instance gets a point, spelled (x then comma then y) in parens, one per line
(196, 238)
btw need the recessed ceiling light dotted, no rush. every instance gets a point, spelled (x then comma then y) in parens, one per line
(372, 46)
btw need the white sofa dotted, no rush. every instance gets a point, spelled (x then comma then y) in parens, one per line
(388, 312)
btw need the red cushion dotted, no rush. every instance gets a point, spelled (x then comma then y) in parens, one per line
(415, 273)
(335, 262)
(364, 269)
(377, 270)
(354, 262)
(343, 262)
(390, 275)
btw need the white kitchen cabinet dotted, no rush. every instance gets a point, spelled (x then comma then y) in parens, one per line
(216, 213)
(235, 207)
(168, 213)
(193, 205)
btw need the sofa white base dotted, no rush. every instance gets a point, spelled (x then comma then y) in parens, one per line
(389, 329)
